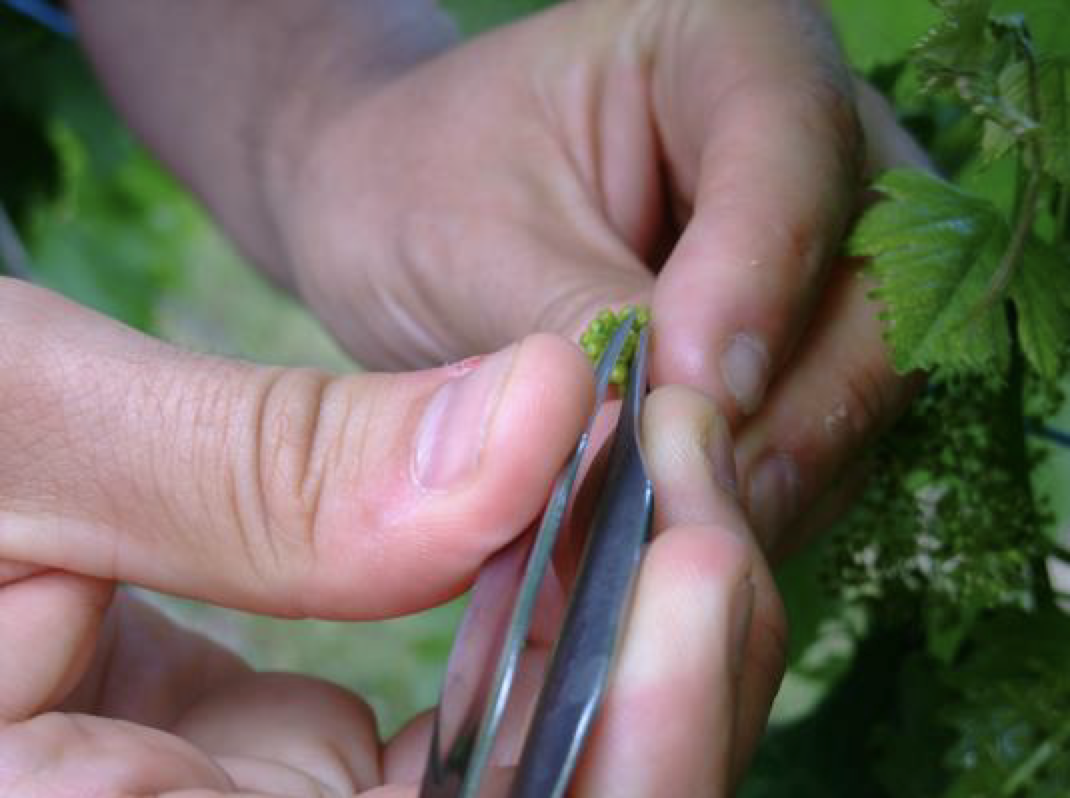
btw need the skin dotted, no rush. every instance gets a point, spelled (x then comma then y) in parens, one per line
(102, 696)
(703, 157)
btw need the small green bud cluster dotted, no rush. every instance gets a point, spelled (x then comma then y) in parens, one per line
(600, 332)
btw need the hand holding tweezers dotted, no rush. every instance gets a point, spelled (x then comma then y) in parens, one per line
(489, 643)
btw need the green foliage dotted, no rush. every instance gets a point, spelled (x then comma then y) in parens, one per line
(934, 252)
(1007, 708)
(951, 538)
(949, 517)
(837, 749)
(937, 252)
(105, 241)
(86, 201)
(1052, 105)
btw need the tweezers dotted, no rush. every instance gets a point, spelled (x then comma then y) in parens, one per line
(487, 648)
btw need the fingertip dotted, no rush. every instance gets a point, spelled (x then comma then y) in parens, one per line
(51, 623)
(769, 212)
(551, 373)
(431, 537)
(693, 347)
(688, 451)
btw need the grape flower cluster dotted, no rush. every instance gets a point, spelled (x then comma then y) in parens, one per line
(600, 331)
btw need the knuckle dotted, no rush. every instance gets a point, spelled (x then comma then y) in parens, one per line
(866, 404)
(797, 237)
(277, 505)
(826, 107)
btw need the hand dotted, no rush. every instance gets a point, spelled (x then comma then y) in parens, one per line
(702, 155)
(294, 493)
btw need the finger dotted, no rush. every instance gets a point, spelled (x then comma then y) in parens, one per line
(266, 729)
(147, 669)
(685, 443)
(827, 508)
(842, 389)
(705, 614)
(764, 660)
(56, 754)
(666, 725)
(766, 150)
(284, 491)
(280, 734)
(405, 754)
(49, 622)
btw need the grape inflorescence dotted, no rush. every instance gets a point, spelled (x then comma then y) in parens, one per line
(600, 332)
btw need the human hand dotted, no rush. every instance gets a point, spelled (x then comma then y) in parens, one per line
(701, 156)
(291, 493)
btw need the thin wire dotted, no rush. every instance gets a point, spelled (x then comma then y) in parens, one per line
(51, 17)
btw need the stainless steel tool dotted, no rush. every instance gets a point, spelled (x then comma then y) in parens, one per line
(487, 649)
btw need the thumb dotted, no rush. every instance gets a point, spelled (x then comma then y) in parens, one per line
(286, 491)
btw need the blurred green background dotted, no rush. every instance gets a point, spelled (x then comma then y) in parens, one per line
(104, 224)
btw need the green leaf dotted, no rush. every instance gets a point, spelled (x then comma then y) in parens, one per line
(1009, 716)
(1041, 294)
(934, 250)
(1049, 120)
(956, 46)
(1047, 21)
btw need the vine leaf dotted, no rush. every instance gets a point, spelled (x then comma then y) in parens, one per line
(1011, 691)
(1048, 22)
(956, 46)
(933, 250)
(1041, 294)
(1050, 122)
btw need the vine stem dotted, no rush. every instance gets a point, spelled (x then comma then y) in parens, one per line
(1026, 203)
(1062, 215)
(1024, 773)
(1016, 432)
(1022, 227)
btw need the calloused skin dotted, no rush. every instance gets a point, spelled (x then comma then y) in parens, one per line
(431, 202)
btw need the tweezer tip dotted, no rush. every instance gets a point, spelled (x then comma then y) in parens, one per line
(612, 354)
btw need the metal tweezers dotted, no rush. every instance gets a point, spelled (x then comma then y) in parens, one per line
(486, 651)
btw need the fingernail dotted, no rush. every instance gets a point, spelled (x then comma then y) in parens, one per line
(722, 456)
(742, 610)
(772, 497)
(454, 425)
(745, 370)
